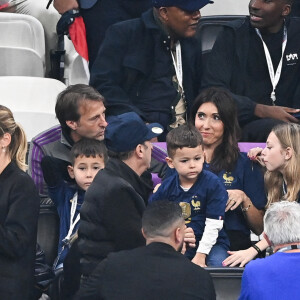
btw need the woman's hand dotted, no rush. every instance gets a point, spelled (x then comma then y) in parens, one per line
(199, 259)
(255, 155)
(239, 258)
(235, 198)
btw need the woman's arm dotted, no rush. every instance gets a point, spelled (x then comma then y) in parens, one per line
(237, 199)
(250, 197)
(242, 257)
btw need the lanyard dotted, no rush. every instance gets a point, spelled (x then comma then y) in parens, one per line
(66, 240)
(178, 64)
(274, 76)
(73, 211)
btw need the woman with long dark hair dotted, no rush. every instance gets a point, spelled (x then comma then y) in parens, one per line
(215, 115)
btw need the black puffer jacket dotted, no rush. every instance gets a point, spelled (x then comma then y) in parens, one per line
(111, 214)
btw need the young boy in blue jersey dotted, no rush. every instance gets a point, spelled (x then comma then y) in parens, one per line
(200, 193)
(88, 156)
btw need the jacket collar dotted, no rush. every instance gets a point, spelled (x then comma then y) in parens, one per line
(154, 24)
(159, 246)
(118, 167)
(66, 139)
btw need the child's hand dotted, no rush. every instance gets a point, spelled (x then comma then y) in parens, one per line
(199, 259)
(189, 237)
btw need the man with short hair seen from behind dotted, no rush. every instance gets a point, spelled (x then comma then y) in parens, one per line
(155, 271)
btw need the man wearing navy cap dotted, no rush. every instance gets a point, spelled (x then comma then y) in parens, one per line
(152, 65)
(114, 204)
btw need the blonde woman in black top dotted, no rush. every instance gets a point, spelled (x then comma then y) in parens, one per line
(19, 207)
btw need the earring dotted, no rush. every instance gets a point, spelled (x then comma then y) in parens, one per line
(3, 149)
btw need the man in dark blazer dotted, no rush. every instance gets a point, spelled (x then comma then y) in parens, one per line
(155, 271)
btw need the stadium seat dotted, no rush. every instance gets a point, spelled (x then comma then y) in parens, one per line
(32, 100)
(159, 152)
(209, 27)
(48, 18)
(227, 282)
(20, 62)
(23, 32)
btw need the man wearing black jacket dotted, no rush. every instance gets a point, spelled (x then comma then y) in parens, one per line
(257, 59)
(152, 65)
(155, 271)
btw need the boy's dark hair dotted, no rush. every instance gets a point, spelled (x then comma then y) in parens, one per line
(159, 216)
(183, 136)
(89, 147)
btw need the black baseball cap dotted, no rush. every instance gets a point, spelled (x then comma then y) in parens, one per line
(124, 132)
(189, 5)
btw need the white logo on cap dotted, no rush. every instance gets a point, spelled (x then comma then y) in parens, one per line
(157, 130)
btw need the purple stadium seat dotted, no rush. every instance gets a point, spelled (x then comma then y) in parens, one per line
(159, 152)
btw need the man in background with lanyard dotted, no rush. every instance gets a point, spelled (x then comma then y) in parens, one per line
(258, 60)
(276, 276)
(152, 65)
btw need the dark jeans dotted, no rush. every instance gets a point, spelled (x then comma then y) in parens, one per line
(215, 257)
(72, 273)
